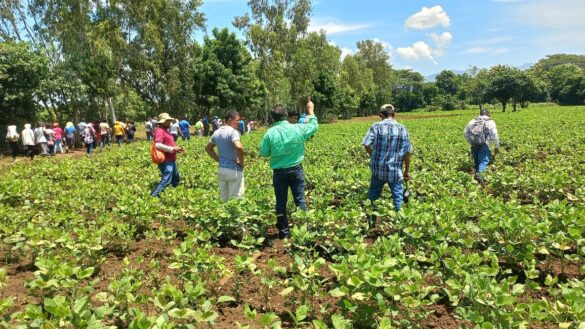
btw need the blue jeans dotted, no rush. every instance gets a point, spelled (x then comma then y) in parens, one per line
(119, 140)
(481, 158)
(282, 179)
(186, 135)
(169, 176)
(375, 191)
(105, 139)
(89, 147)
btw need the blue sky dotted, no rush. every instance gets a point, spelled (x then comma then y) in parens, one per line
(430, 36)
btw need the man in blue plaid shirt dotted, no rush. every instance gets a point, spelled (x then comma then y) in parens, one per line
(388, 144)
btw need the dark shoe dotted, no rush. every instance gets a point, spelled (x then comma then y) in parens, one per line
(283, 235)
(371, 221)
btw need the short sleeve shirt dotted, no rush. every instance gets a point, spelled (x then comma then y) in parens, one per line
(224, 139)
(390, 142)
(164, 137)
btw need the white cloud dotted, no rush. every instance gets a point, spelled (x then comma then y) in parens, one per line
(333, 28)
(486, 50)
(418, 51)
(442, 41)
(387, 46)
(558, 14)
(491, 41)
(427, 18)
(345, 52)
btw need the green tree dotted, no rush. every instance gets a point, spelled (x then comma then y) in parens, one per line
(448, 82)
(22, 71)
(356, 76)
(378, 60)
(567, 83)
(503, 84)
(272, 30)
(225, 78)
(408, 91)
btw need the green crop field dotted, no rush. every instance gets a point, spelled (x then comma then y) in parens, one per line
(82, 245)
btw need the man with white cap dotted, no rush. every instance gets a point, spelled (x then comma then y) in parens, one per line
(165, 142)
(389, 147)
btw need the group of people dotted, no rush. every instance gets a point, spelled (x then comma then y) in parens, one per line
(203, 127)
(50, 139)
(387, 143)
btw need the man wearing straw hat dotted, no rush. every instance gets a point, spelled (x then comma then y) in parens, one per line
(165, 142)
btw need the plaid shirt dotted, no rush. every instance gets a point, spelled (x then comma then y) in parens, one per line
(390, 142)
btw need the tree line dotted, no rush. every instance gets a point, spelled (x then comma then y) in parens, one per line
(67, 59)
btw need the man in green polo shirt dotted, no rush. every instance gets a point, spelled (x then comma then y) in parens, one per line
(284, 144)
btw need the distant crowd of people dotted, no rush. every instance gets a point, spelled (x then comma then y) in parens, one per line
(202, 128)
(48, 139)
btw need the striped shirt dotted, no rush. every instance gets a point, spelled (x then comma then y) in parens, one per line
(390, 143)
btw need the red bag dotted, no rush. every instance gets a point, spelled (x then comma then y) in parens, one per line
(157, 155)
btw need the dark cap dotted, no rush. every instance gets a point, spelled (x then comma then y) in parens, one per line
(484, 111)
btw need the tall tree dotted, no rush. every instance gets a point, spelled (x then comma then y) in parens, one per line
(225, 77)
(378, 60)
(272, 30)
(503, 84)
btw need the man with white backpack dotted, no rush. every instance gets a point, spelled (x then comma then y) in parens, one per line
(480, 133)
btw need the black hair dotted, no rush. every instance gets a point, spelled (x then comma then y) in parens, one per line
(293, 114)
(231, 114)
(278, 113)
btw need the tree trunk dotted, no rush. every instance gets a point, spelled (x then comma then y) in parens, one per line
(504, 106)
(513, 105)
(112, 112)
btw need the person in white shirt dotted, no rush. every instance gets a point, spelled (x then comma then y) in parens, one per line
(480, 133)
(28, 141)
(12, 138)
(174, 130)
(41, 139)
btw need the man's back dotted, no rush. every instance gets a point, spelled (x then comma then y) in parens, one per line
(390, 142)
(224, 139)
(184, 125)
(285, 143)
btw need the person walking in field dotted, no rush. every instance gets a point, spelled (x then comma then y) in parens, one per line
(105, 129)
(12, 138)
(130, 131)
(205, 122)
(230, 158)
(149, 128)
(480, 133)
(70, 136)
(175, 131)
(199, 127)
(284, 144)
(28, 141)
(388, 144)
(119, 132)
(184, 128)
(89, 136)
(165, 143)
(41, 139)
(58, 138)
(50, 136)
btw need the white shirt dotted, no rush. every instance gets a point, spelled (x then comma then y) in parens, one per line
(490, 126)
(28, 136)
(174, 128)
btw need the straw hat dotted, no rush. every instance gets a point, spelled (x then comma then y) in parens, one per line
(164, 117)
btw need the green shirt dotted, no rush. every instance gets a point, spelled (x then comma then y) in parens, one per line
(284, 143)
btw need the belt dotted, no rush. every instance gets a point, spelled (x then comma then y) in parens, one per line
(299, 166)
